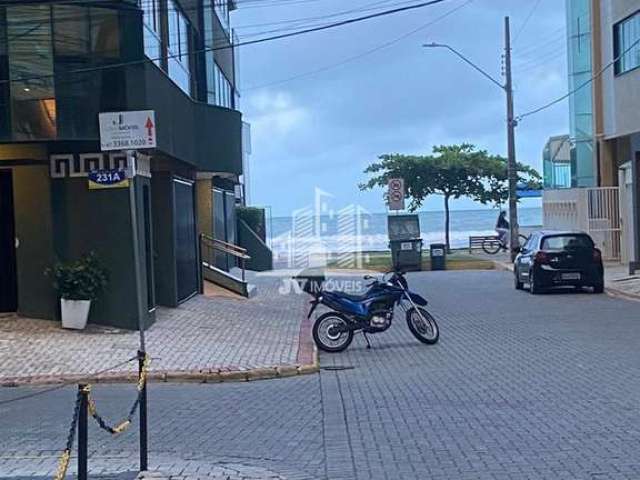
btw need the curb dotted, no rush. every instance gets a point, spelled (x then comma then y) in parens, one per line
(170, 376)
(502, 266)
(307, 363)
(619, 294)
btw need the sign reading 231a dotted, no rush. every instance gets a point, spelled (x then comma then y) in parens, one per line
(99, 179)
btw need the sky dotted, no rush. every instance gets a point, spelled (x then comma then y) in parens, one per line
(323, 106)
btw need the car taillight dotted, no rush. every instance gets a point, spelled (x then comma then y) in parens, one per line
(597, 255)
(541, 257)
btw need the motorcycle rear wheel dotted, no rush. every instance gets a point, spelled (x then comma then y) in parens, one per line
(325, 336)
(423, 325)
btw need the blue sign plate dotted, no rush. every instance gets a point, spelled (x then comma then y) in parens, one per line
(99, 179)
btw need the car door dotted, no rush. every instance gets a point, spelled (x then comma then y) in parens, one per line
(526, 257)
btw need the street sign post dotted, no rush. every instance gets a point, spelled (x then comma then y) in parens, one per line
(396, 193)
(127, 130)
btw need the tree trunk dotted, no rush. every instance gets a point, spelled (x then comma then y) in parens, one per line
(447, 223)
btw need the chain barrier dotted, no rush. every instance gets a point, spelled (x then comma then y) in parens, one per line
(65, 457)
(125, 424)
(64, 384)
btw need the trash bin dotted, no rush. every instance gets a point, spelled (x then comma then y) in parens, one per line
(405, 242)
(407, 254)
(438, 256)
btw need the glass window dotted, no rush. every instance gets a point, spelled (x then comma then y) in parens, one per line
(566, 242)
(151, 22)
(178, 48)
(627, 44)
(151, 15)
(72, 34)
(33, 105)
(105, 33)
(222, 12)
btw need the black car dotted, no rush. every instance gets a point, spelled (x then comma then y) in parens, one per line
(556, 259)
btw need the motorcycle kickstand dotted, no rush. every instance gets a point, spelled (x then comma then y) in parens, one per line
(367, 340)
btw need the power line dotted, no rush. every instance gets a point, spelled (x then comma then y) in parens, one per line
(526, 21)
(360, 55)
(364, 8)
(581, 86)
(553, 38)
(241, 44)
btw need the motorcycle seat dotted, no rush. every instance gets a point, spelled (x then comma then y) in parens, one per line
(353, 298)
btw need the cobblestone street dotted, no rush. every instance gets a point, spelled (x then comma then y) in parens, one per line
(519, 387)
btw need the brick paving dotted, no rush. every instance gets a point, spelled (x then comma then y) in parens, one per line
(203, 334)
(519, 387)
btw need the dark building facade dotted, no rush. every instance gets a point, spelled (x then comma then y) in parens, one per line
(61, 64)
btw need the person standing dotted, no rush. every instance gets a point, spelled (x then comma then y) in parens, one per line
(503, 229)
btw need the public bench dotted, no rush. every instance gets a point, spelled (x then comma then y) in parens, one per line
(475, 242)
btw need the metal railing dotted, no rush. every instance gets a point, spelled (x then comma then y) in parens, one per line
(209, 246)
(595, 210)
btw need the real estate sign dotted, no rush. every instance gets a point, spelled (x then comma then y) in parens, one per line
(127, 130)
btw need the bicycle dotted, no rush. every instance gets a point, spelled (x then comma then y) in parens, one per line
(492, 246)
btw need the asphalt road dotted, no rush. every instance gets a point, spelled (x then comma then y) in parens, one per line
(519, 387)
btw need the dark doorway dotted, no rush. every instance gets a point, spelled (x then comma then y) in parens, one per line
(8, 279)
(185, 240)
(224, 225)
(219, 227)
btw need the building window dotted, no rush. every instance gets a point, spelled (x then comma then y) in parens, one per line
(33, 105)
(219, 89)
(178, 47)
(151, 22)
(222, 12)
(626, 44)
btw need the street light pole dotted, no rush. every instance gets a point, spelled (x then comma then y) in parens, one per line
(511, 145)
(512, 170)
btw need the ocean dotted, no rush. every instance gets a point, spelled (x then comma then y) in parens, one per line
(350, 231)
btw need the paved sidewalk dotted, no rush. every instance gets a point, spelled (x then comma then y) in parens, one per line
(618, 281)
(204, 339)
(120, 465)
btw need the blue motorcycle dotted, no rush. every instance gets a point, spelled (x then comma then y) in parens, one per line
(370, 312)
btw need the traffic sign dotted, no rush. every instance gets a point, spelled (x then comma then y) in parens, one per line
(396, 193)
(127, 130)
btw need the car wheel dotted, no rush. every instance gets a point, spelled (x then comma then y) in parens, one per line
(534, 285)
(598, 287)
(517, 283)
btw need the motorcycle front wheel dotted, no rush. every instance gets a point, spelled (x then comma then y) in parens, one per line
(423, 325)
(330, 334)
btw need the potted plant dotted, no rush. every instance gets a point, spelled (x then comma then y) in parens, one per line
(78, 283)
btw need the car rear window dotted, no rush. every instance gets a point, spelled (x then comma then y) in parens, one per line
(564, 242)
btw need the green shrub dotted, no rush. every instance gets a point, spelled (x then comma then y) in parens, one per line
(83, 279)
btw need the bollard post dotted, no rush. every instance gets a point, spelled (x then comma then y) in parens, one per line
(82, 431)
(144, 455)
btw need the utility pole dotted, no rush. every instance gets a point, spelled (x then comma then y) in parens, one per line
(512, 166)
(511, 145)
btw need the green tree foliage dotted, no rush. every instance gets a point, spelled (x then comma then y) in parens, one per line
(452, 171)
